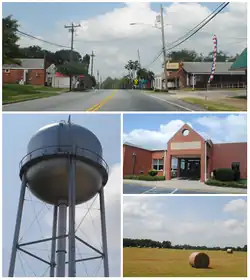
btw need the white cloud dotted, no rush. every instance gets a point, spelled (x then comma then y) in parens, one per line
(154, 139)
(112, 31)
(150, 217)
(236, 206)
(230, 128)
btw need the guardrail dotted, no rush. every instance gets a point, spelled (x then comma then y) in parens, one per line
(67, 150)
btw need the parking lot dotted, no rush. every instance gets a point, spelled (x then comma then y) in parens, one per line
(135, 189)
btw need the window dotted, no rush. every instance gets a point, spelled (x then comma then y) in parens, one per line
(158, 164)
(236, 166)
(7, 70)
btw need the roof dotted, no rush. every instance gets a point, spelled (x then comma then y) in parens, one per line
(205, 68)
(241, 62)
(60, 75)
(27, 63)
(138, 147)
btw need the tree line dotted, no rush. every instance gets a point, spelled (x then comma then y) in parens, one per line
(65, 64)
(148, 243)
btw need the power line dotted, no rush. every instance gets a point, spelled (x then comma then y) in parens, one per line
(184, 36)
(198, 28)
(39, 39)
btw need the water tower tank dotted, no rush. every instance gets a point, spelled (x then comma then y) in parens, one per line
(46, 165)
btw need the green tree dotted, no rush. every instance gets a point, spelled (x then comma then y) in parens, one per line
(63, 56)
(220, 57)
(10, 39)
(72, 68)
(183, 55)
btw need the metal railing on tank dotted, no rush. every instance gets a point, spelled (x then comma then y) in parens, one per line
(67, 150)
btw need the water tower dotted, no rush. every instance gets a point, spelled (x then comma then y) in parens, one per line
(63, 167)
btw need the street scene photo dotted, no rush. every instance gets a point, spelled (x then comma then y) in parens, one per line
(177, 236)
(184, 154)
(61, 195)
(124, 56)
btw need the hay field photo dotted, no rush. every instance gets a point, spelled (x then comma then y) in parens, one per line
(145, 262)
(185, 236)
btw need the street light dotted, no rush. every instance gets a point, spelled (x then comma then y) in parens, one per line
(159, 20)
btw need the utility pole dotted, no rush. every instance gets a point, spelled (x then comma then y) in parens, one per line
(98, 82)
(72, 30)
(164, 50)
(139, 58)
(92, 62)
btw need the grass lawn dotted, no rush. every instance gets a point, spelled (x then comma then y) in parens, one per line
(215, 105)
(240, 97)
(18, 93)
(144, 262)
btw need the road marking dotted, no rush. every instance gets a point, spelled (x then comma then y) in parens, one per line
(171, 103)
(103, 102)
(174, 191)
(149, 190)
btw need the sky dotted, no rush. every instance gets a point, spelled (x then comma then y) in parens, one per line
(17, 131)
(153, 131)
(105, 29)
(207, 220)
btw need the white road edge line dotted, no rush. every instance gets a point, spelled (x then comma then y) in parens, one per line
(171, 103)
(174, 191)
(149, 190)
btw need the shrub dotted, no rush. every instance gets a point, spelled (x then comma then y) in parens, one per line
(231, 184)
(132, 177)
(144, 177)
(151, 178)
(152, 172)
(224, 174)
(236, 175)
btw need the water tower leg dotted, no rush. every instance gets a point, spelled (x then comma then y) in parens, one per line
(61, 243)
(17, 228)
(104, 234)
(72, 197)
(53, 243)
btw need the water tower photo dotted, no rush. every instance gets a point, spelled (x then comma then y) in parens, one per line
(61, 195)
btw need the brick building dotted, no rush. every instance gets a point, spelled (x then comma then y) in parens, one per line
(196, 75)
(30, 71)
(194, 157)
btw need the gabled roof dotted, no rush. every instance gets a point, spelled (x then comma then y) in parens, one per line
(241, 62)
(205, 68)
(184, 127)
(27, 63)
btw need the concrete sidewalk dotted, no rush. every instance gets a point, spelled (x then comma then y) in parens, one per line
(186, 185)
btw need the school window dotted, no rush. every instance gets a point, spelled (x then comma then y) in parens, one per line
(236, 166)
(158, 164)
(7, 70)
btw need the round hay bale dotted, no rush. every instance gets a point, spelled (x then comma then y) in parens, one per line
(229, 251)
(199, 260)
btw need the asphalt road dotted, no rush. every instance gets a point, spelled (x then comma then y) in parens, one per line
(104, 100)
(130, 189)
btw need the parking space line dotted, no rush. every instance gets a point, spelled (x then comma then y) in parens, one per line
(149, 190)
(174, 191)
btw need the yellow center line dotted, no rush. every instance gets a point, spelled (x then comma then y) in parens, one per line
(104, 101)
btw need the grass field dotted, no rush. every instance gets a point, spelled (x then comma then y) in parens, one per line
(17, 93)
(217, 105)
(145, 262)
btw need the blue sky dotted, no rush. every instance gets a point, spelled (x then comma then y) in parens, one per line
(28, 13)
(105, 28)
(17, 131)
(153, 131)
(206, 220)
